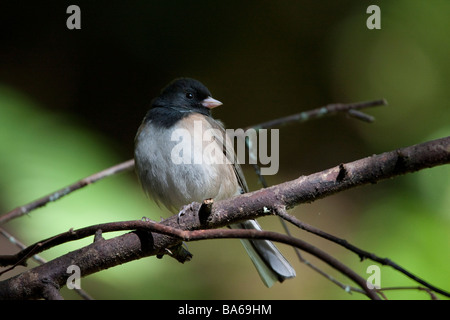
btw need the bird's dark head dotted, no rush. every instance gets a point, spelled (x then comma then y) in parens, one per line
(187, 93)
(178, 99)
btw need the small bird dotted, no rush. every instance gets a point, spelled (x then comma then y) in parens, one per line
(177, 121)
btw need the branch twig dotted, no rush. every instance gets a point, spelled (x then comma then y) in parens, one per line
(361, 253)
(22, 210)
(351, 109)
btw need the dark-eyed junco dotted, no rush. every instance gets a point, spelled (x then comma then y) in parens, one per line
(174, 168)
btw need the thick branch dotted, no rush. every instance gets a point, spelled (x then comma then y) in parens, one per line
(307, 189)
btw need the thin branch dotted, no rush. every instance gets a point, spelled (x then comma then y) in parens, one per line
(20, 245)
(331, 109)
(36, 258)
(427, 290)
(280, 212)
(22, 210)
(297, 243)
(361, 253)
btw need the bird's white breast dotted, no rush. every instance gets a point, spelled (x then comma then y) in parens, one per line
(174, 168)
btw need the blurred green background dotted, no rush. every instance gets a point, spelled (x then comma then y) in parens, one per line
(72, 100)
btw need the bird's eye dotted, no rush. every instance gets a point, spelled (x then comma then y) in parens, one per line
(189, 95)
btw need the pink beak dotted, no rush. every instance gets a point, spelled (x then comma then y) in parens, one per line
(211, 103)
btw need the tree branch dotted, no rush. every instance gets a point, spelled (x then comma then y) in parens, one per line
(22, 210)
(43, 282)
(306, 189)
(361, 253)
(351, 109)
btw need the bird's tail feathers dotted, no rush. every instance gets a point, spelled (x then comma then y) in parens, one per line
(272, 266)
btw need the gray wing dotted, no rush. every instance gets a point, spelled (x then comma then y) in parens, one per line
(228, 150)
